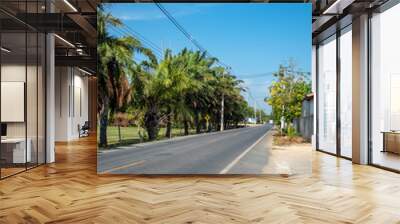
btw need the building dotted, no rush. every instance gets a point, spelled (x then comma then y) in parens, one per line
(356, 80)
(51, 67)
(48, 68)
(48, 78)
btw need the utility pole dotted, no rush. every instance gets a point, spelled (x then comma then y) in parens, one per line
(222, 103)
(255, 111)
(222, 112)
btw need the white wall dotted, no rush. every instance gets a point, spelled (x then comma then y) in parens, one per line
(13, 100)
(71, 94)
(33, 126)
(62, 82)
(10, 73)
(81, 85)
(17, 73)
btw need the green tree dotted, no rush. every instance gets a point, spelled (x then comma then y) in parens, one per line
(200, 72)
(286, 94)
(184, 89)
(114, 64)
(160, 85)
(230, 87)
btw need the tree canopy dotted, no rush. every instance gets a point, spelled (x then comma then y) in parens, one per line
(287, 92)
(183, 89)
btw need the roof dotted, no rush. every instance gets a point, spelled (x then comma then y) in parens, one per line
(309, 97)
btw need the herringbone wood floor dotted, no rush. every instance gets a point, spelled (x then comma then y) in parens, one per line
(69, 191)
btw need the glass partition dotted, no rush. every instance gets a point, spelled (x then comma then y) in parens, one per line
(385, 89)
(13, 92)
(22, 88)
(327, 95)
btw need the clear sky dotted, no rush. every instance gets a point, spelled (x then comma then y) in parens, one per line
(252, 38)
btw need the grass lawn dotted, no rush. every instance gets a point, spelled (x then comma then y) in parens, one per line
(130, 135)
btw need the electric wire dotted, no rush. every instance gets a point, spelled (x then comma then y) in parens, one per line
(122, 32)
(187, 34)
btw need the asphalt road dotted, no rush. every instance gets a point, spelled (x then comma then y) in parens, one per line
(212, 153)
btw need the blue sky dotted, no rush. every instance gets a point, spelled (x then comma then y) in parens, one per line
(251, 38)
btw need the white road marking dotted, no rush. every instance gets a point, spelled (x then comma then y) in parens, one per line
(235, 161)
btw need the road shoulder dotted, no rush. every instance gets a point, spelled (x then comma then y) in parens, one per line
(268, 158)
(255, 159)
(293, 159)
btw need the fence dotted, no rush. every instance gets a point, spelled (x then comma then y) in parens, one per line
(304, 125)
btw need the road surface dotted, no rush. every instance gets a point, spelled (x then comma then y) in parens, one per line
(232, 151)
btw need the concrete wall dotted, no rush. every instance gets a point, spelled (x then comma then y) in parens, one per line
(71, 102)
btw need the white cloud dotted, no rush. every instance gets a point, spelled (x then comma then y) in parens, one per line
(156, 14)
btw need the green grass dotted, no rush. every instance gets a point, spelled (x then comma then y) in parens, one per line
(130, 135)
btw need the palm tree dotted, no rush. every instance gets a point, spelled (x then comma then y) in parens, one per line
(114, 63)
(161, 85)
(198, 68)
(175, 70)
(179, 88)
(227, 85)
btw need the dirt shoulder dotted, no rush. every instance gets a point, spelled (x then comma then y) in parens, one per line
(288, 157)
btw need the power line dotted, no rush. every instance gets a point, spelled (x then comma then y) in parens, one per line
(146, 42)
(272, 73)
(261, 75)
(126, 33)
(144, 38)
(254, 99)
(186, 33)
(180, 27)
(156, 49)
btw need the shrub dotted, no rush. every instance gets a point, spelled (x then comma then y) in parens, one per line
(291, 131)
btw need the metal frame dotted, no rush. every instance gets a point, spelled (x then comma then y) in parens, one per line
(337, 34)
(44, 75)
(317, 97)
(37, 91)
(369, 98)
(26, 88)
(338, 75)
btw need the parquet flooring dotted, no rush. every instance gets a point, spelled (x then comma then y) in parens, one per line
(70, 191)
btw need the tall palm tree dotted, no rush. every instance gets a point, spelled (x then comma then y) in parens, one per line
(114, 63)
(174, 69)
(200, 70)
(161, 85)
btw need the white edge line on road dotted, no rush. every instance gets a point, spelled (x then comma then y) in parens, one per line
(234, 162)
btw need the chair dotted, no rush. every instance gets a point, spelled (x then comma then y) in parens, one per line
(84, 130)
